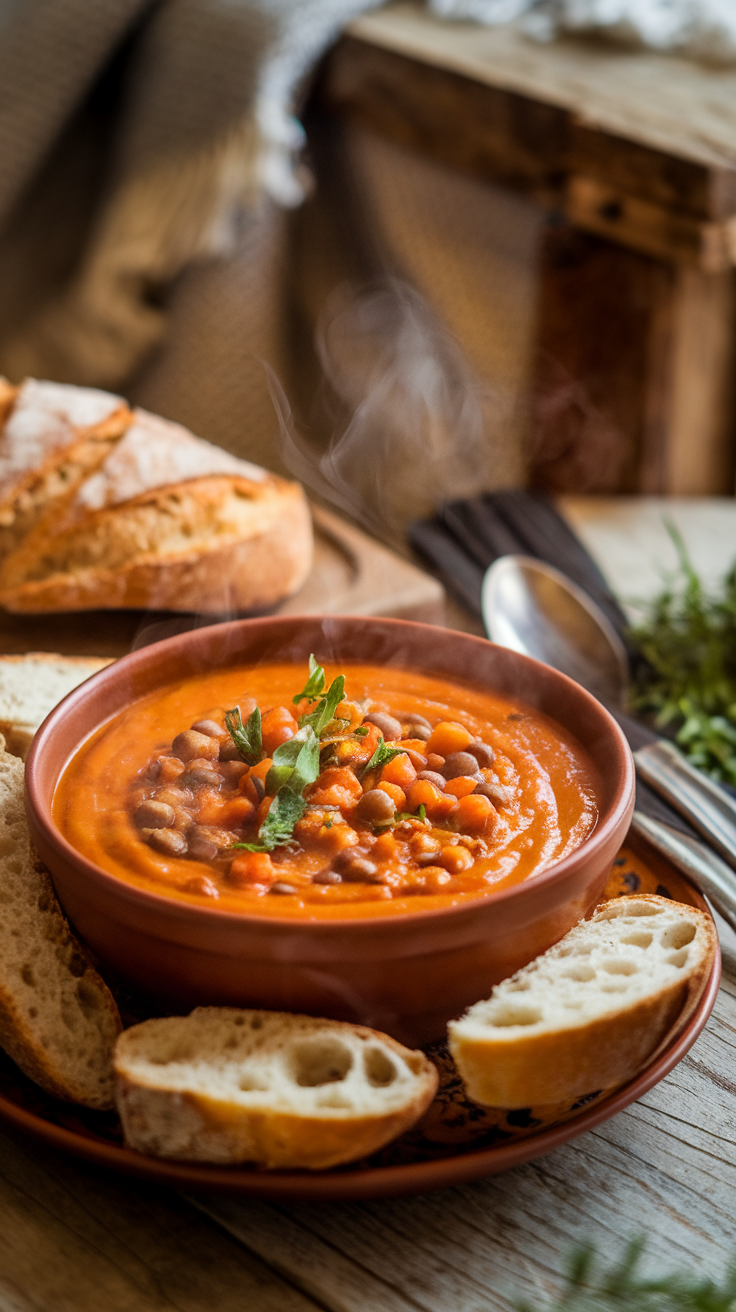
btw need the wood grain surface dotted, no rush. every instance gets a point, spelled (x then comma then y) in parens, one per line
(73, 1239)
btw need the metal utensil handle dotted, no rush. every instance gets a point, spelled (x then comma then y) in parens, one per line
(692, 793)
(702, 867)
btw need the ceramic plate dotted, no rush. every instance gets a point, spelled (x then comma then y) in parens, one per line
(455, 1142)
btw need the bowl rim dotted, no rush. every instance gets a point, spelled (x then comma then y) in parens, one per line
(40, 812)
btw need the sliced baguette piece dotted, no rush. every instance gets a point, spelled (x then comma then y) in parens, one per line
(168, 521)
(592, 1010)
(31, 686)
(58, 1019)
(53, 436)
(232, 1086)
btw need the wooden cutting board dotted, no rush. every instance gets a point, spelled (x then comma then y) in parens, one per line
(351, 575)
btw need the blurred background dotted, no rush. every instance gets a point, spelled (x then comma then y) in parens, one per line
(499, 233)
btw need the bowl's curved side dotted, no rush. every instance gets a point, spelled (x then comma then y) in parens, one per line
(405, 974)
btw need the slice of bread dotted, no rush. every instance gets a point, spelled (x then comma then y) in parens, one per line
(53, 436)
(231, 1086)
(31, 686)
(167, 521)
(58, 1019)
(591, 1012)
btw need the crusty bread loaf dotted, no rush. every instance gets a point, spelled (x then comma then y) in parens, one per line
(231, 1086)
(31, 686)
(166, 521)
(591, 1012)
(53, 435)
(58, 1019)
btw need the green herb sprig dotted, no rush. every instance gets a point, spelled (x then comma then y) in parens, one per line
(622, 1288)
(314, 687)
(295, 763)
(324, 713)
(687, 678)
(247, 737)
(382, 755)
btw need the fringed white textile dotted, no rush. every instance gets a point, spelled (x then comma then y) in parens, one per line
(701, 29)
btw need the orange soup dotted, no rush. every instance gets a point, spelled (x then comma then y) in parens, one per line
(326, 793)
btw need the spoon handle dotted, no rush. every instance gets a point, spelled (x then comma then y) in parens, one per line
(711, 811)
(702, 867)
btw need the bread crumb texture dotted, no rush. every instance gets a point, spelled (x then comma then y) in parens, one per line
(233, 1086)
(590, 1011)
(58, 1019)
(31, 686)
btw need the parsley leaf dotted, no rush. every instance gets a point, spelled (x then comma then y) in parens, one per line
(382, 756)
(295, 762)
(325, 711)
(295, 765)
(247, 737)
(314, 687)
(286, 808)
(361, 731)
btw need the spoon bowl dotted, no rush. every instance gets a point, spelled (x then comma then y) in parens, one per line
(535, 610)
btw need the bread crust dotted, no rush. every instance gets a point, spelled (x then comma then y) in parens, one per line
(189, 1126)
(8, 393)
(20, 1042)
(269, 561)
(522, 1070)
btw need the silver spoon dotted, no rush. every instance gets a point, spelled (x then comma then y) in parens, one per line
(536, 610)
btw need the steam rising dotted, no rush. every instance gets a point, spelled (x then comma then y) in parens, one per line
(411, 428)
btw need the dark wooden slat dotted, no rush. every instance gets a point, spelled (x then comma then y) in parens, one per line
(507, 137)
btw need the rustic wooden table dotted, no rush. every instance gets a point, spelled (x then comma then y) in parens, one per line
(76, 1239)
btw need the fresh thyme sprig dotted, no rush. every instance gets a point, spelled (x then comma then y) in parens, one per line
(622, 1288)
(687, 678)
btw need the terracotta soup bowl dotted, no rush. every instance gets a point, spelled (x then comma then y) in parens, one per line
(405, 974)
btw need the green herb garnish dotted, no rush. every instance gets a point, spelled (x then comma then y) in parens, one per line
(361, 731)
(247, 737)
(325, 711)
(295, 762)
(687, 678)
(314, 687)
(624, 1288)
(381, 756)
(295, 766)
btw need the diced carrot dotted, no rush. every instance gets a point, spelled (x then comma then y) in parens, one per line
(252, 870)
(475, 814)
(437, 805)
(238, 811)
(336, 786)
(462, 786)
(399, 771)
(277, 727)
(385, 848)
(358, 751)
(413, 744)
(248, 789)
(396, 794)
(209, 807)
(260, 770)
(448, 736)
(263, 809)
